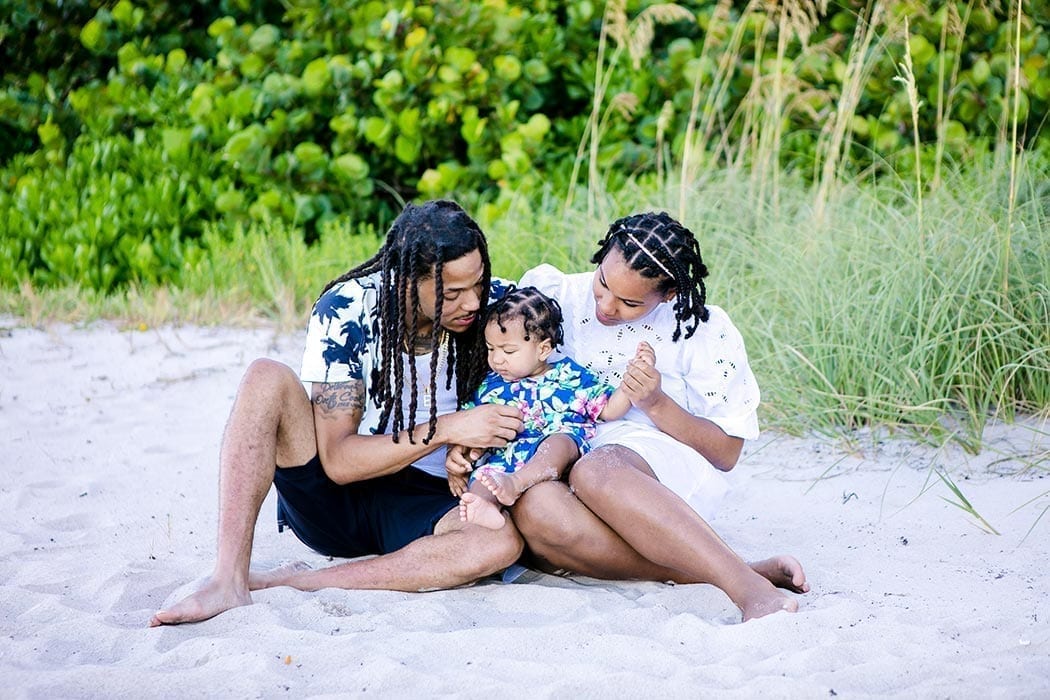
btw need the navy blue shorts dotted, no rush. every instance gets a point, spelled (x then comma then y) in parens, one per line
(374, 516)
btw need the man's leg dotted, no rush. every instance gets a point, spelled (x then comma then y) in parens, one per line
(271, 423)
(456, 554)
(623, 524)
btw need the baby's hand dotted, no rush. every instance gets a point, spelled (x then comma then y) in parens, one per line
(458, 466)
(459, 460)
(457, 484)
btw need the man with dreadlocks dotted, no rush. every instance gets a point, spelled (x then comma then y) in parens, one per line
(635, 506)
(392, 341)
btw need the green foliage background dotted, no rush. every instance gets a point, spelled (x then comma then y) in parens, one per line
(129, 129)
(868, 178)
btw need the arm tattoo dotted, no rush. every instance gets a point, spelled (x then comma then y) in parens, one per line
(333, 398)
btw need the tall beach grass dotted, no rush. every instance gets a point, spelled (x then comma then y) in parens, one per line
(884, 302)
(892, 302)
(858, 320)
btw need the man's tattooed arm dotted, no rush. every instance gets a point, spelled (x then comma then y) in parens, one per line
(335, 400)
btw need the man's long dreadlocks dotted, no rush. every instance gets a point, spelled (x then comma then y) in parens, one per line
(420, 241)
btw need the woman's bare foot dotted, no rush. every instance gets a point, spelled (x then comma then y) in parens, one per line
(502, 485)
(278, 576)
(783, 571)
(209, 600)
(763, 599)
(475, 509)
(767, 605)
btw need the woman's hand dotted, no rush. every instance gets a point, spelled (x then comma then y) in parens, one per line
(641, 381)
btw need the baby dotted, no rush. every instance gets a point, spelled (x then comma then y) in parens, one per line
(559, 402)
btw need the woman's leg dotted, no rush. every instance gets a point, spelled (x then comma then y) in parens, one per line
(622, 523)
(564, 536)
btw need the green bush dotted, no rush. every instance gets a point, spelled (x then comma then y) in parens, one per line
(167, 118)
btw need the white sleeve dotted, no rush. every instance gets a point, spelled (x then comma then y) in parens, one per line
(726, 388)
(546, 278)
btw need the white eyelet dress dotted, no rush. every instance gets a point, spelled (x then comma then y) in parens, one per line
(707, 374)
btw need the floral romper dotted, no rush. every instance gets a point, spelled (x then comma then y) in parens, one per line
(566, 399)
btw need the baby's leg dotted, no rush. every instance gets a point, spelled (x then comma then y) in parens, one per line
(479, 506)
(547, 463)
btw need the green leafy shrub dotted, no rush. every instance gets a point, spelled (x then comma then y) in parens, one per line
(237, 113)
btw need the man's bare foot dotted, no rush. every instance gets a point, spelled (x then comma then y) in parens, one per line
(475, 509)
(783, 571)
(212, 598)
(278, 576)
(502, 485)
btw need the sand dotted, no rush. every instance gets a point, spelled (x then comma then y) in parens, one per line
(108, 509)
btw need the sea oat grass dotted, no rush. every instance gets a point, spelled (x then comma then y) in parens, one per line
(886, 324)
(849, 321)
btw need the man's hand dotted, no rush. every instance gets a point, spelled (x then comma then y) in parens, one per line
(490, 425)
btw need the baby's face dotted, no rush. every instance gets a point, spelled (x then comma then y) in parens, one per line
(510, 355)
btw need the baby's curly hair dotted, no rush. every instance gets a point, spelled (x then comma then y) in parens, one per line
(539, 314)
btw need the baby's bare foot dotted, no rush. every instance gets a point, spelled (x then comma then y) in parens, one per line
(475, 509)
(783, 571)
(501, 484)
(209, 600)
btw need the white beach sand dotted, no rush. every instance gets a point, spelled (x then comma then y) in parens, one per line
(108, 508)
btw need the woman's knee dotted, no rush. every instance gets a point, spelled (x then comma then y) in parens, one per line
(590, 473)
(596, 472)
(540, 515)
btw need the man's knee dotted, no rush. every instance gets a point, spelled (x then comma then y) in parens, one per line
(510, 547)
(498, 550)
(267, 371)
(268, 377)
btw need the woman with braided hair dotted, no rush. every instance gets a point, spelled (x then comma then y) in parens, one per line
(358, 458)
(635, 506)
